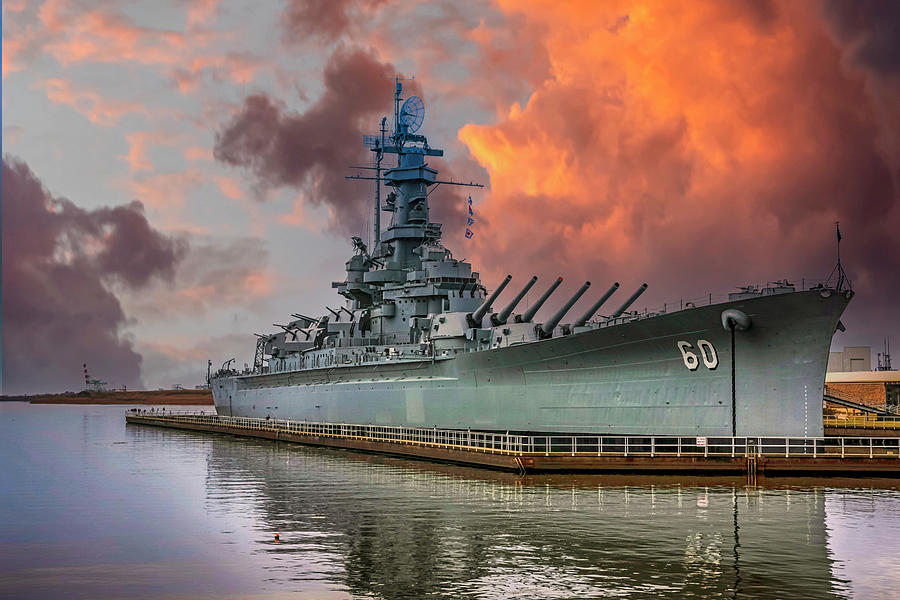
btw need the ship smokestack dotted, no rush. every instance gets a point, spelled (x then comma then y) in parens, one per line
(529, 314)
(547, 328)
(504, 314)
(629, 302)
(475, 318)
(590, 312)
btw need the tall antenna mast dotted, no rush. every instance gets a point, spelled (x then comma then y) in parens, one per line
(379, 154)
(397, 92)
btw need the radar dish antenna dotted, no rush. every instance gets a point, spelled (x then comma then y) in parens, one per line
(412, 114)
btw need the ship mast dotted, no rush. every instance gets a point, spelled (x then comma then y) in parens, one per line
(410, 179)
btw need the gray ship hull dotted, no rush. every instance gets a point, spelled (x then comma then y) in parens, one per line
(632, 378)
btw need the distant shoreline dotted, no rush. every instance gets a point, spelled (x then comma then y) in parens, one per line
(148, 397)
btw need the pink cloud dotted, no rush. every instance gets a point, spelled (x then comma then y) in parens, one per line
(97, 108)
(14, 6)
(166, 192)
(100, 37)
(136, 157)
(215, 274)
(197, 153)
(201, 12)
(235, 67)
(295, 218)
(229, 187)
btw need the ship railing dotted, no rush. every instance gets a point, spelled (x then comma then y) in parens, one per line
(710, 298)
(557, 445)
(162, 410)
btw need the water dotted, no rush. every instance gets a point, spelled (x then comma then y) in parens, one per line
(92, 508)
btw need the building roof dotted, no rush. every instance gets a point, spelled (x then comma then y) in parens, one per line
(862, 377)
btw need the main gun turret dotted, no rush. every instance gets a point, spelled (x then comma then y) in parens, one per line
(500, 319)
(547, 328)
(590, 312)
(630, 301)
(474, 319)
(529, 314)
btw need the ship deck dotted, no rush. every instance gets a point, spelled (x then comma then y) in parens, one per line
(859, 456)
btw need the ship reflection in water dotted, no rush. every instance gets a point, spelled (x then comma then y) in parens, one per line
(90, 508)
(383, 527)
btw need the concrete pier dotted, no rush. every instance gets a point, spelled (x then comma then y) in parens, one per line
(872, 456)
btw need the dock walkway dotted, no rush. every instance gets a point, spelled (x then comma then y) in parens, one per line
(875, 456)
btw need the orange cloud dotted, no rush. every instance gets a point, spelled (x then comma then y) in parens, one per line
(95, 107)
(12, 47)
(669, 139)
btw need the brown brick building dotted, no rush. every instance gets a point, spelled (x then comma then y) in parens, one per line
(878, 389)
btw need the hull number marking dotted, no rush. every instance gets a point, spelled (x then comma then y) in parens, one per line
(707, 351)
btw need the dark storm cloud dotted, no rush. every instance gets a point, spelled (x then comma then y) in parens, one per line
(324, 20)
(871, 28)
(59, 261)
(314, 149)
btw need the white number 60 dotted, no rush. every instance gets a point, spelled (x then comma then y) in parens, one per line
(690, 359)
(707, 353)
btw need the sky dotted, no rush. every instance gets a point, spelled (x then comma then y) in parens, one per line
(173, 171)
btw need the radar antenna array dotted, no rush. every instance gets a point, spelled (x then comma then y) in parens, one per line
(412, 113)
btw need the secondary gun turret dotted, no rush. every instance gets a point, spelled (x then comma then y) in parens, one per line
(474, 319)
(629, 302)
(501, 318)
(590, 312)
(547, 328)
(529, 314)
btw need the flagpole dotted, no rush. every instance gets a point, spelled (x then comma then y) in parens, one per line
(837, 229)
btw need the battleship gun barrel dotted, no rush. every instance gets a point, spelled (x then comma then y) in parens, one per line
(590, 313)
(529, 314)
(504, 314)
(630, 301)
(486, 305)
(547, 328)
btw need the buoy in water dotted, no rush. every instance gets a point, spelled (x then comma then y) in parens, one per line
(276, 537)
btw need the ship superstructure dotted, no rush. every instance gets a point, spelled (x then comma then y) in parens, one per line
(417, 340)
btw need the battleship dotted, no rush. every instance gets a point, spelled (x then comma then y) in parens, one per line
(417, 340)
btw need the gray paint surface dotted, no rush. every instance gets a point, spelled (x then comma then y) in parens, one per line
(627, 378)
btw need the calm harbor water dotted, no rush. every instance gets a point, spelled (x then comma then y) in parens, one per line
(92, 508)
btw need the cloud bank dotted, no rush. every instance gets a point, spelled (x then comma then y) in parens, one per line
(61, 265)
(699, 147)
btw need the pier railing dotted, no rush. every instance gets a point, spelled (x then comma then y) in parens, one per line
(863, 422)
(556, 444)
